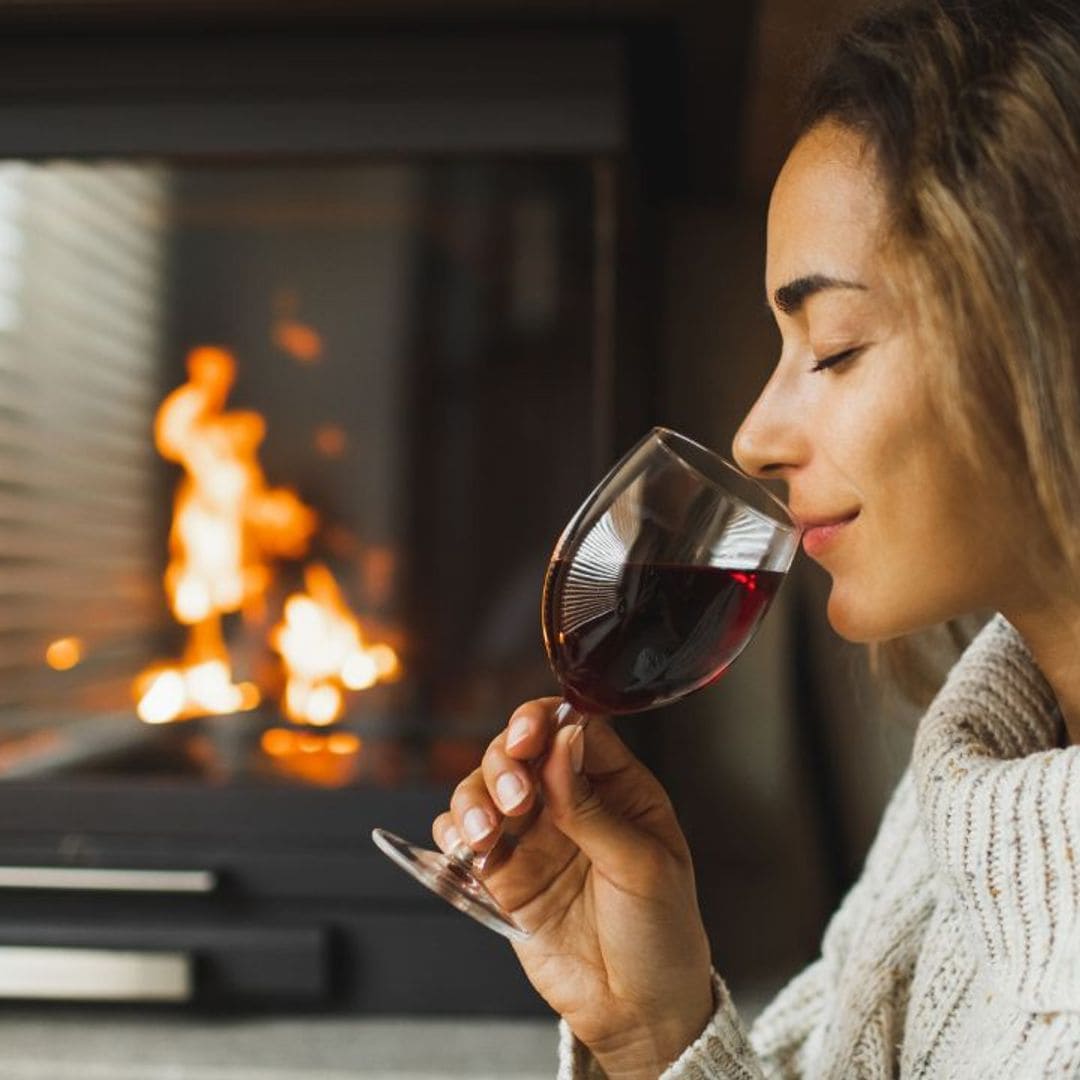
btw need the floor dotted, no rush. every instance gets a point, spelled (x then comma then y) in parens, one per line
(80, 1045)
(94, 1043)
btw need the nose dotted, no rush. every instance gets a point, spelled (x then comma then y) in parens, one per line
(772, 441)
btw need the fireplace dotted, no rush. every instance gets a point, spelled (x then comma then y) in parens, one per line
(308, 336)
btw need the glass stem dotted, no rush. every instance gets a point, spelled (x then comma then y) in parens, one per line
(464, 858)
(567, 714)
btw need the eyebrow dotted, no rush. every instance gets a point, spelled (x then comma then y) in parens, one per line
(790, 297)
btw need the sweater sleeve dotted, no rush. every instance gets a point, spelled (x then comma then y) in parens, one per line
(786, 1041)
(724, 1051)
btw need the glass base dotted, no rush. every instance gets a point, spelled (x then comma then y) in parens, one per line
(452, 880)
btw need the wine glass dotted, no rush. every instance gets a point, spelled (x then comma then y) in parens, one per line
(655, 586)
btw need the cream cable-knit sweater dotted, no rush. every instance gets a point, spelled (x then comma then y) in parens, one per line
(957, 953)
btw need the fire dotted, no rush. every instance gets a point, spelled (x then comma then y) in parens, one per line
(227, 522)
(200, 686)
(64, 653)
(229, 527)
(328, 759)
(323, 648)
(302, 342)
(296, 338)
(330, 440)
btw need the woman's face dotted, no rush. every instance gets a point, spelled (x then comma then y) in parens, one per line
(910, 533)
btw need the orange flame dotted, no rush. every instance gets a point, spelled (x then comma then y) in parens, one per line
(302, 342)
(322, 646)
(299, 339)
(227, 524)
(64, 653)
(328, 759)
(226, 521)
(199, 686)
(330, 440)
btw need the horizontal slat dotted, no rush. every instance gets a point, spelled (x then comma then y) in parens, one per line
(27, 652)
(80, 482)
(57, 489)
(96, 293)
(100, 614)
(119, 368)
(51, 569)
(42, 482)
(127, 452)
(40, 357)
(93, 879)
(94, 974)
(113, 605)
(46, 699)
(96, 541)
(102, 196)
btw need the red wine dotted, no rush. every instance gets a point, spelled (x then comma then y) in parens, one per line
(637, 635)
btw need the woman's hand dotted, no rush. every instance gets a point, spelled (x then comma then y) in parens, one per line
(600, 875)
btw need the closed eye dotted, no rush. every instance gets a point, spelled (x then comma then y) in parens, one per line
(837, 358)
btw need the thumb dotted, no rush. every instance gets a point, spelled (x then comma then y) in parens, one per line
(608, 840)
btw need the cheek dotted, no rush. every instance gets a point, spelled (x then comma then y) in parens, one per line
(902, 567)
(872, 590)
(931, 538)
(889, 583)
(919, 555)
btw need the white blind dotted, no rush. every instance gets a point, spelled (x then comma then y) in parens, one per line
(82, 280)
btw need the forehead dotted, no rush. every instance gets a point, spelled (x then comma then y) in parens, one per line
(827, 210)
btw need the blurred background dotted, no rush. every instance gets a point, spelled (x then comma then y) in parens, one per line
(317, 321)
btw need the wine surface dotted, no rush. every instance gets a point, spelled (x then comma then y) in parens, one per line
(644, 634)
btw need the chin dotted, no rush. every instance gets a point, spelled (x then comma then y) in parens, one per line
(850, 625)
(863, 622)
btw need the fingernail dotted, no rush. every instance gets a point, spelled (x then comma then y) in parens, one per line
(518, 730)
(477, 824)
(577, 750)
(510, 789)
(451, 838)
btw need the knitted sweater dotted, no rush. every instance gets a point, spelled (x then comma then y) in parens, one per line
(957, 952)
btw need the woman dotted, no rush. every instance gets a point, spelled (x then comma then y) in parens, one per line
(923, 267)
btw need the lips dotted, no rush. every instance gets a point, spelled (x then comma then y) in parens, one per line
(819, 534)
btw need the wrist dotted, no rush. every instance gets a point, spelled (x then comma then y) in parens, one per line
(645, 1052)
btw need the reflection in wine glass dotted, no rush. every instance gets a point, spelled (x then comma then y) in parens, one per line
(654, 588)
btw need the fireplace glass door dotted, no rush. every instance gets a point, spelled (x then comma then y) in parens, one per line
(283, 450)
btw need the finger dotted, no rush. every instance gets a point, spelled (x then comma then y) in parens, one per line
(510, 783)
(522, 867)
(628, 788)
(530, 728)
(611, 840)
(449, 840)
(445, 832)
(605, 752)
(476, 817)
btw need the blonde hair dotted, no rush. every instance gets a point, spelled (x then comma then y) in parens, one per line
(972, 111)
